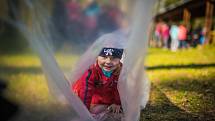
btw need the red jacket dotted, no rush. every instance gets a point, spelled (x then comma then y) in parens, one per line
(95, 88)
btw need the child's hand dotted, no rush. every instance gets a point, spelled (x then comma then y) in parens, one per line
(114, 108)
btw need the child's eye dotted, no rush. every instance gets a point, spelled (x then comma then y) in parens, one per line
(113, 58)
(104, 57)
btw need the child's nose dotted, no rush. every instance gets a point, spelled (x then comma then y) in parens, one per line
(108, 60)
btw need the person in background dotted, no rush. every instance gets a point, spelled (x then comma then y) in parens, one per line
(165, 34)
(182, 36)
(174, 37)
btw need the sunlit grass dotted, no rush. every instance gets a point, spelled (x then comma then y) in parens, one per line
(198, 55)
(25, 60)
(27, 86)
(183, 85)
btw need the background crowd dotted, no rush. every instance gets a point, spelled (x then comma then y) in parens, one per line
(85, 22)
(175, 35)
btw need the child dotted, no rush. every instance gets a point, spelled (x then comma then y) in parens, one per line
(97, 87)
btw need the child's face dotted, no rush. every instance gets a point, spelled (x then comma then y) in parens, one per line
(108, 63)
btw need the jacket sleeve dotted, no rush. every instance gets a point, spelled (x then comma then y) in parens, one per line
(116, 97)
(87, 88)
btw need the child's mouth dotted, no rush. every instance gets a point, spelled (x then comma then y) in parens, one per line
(108, 67)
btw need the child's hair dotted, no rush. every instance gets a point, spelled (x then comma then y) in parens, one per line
(118, 69)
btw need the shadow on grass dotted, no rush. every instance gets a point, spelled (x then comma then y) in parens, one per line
(160, 108)
(16, 70)
(202, 85)
(8, 108)
(198, 95)
(31, 111)
(192, 66)
(49, 112)
(26, 70)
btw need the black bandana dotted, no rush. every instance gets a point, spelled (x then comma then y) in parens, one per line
(112, 52)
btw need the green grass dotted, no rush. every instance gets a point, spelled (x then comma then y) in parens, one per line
(27, 87)
(183, 86)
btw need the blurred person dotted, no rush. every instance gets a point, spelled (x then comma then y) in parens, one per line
(196, 36)
(165, 34)
(190, 36)
(74, 10)
(75, 17)
(182, 36)
(158, 34)
(174, 37)
(110, 18)
(202, 39)
(91, 13)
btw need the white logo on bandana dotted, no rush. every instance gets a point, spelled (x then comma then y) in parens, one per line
(108, 51)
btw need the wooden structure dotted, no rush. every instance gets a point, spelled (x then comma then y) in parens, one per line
(190, 9)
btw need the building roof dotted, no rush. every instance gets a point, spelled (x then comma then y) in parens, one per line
(175, 12)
